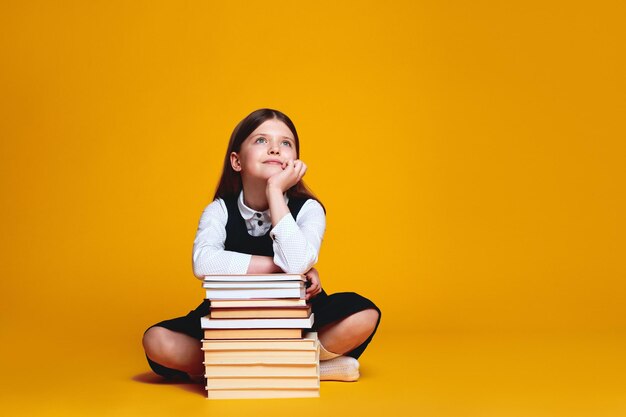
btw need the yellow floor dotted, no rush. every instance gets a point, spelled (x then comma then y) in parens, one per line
(421, 375)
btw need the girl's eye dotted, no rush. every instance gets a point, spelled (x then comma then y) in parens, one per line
(260, 140)
(286, 142)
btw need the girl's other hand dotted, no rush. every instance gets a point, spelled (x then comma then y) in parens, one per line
(316, 286)
(292, 173)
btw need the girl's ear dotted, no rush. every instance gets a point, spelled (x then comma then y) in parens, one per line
(234, 161)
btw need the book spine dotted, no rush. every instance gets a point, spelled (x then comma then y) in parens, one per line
(254, 294)
(207, 323)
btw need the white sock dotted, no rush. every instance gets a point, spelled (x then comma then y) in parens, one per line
(341, 368)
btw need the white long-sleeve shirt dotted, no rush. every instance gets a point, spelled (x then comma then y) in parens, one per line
(296, 242)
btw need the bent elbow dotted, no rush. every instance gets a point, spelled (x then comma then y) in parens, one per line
(202, 261)
(197, 272)
(294, 271)
(301, 267)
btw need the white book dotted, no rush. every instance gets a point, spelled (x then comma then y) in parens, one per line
(293, 323)
(256, 284)
(255, 277)
(252, 293)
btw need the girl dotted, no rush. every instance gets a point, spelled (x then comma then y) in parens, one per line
(264, 220)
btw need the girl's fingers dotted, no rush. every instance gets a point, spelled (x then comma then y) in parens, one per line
(315, 288)
(294, 171)
(302, 171)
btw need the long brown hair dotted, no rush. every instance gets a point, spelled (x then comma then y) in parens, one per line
(230, 183)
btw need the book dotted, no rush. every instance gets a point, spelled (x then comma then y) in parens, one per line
(252, 333)
(223, 357)
(254, 277)
(253, 345)
(261, 370)
(263, 383)
(250, 293)
(262, 393)
(256, 284)
(282, 302)
(264, 312)
(308, 341)
(289, 323)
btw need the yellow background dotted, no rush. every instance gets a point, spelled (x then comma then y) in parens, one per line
(470, 156)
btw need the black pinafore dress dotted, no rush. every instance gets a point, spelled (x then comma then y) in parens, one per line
(327, 308)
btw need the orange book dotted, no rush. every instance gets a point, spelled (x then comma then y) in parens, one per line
(308, 341)
(262, 393)
(260, 313)
(258, 303)
(252, 333)
(310, 382)
(301, 356)
(261, 370)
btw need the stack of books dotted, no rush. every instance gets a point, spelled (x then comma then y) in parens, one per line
(253, 343)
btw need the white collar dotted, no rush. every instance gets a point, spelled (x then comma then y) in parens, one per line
(247, 213)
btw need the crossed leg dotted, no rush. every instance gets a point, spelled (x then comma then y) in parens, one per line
(174, 350)
(182, 352)
(348, 333)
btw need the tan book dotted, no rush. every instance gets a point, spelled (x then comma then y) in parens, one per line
(260, 313)
(252, 333)
(263, 383)
(264, 370)
(262, 393)
(260, 356)
(269, 302)
(309, 341)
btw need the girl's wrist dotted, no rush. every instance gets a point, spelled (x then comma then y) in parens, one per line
(273, 189)
(278, 207)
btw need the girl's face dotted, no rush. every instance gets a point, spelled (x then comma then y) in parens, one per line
(265, 150)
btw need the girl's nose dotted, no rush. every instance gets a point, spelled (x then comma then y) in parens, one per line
(274, 149)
